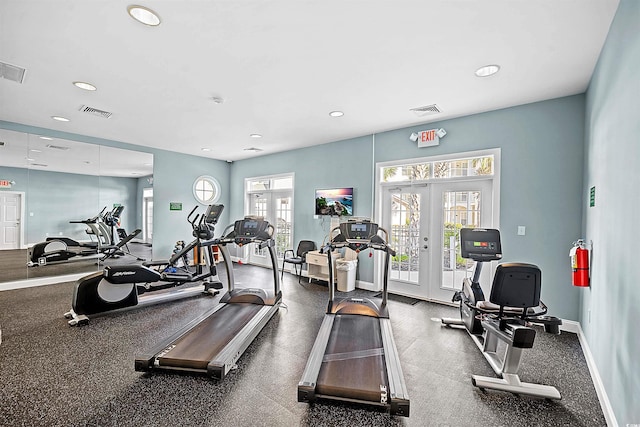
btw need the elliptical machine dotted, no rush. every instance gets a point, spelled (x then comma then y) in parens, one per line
(121, 287)
(514, 305)
(61, 249)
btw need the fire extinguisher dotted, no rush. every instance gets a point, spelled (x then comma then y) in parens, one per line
(580, 263)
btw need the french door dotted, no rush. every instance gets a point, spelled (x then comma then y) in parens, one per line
(423, 222)
(277, 208)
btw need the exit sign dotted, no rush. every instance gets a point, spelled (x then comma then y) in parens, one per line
(5, 183)
(428, 138)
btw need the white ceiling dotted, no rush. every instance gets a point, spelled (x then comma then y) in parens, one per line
(282, 65)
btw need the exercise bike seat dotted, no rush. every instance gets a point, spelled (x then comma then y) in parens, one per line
(516, 285)
(489, 307)
(516, 288)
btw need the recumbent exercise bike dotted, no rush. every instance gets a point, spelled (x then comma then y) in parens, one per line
(514, 305)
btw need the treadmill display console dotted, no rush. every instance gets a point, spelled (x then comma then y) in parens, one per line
(250, 228)
(480, 244)
(358, 231)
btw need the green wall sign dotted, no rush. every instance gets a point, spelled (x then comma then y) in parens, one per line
(175, 206)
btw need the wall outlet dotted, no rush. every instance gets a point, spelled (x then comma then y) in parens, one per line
(521, 230)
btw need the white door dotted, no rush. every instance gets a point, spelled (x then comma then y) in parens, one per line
(406, 219)
(147, 212)
(424, 224)
(277, 208)
(10, 220)
(456, 205)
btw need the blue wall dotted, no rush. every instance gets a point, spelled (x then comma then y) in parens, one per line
(541, 181)
(540, 185)
(173, 178)
(611, 306)
(340, 164)
(53, 199)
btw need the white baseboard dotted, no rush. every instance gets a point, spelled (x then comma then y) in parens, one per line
(29, 283)
(605, 404)
(360, 284)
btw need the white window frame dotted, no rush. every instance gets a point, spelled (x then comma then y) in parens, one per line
(380, 186)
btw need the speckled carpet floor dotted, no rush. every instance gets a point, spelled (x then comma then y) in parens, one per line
(55, 375)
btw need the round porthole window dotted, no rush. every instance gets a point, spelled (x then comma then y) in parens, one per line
(206, 189)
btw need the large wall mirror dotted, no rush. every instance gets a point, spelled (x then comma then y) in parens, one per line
(50, 188)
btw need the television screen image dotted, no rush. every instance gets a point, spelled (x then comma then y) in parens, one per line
(336, 201)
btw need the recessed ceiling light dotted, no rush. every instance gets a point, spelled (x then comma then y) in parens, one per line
(206, 149)
(144, 15)
(46, 137)
(85, 86)
(487, 70)
(336, 114)
(60, 118)
(33, 150)
(255, 135)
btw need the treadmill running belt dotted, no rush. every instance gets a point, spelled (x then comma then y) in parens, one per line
(353, 366)
(201, 344)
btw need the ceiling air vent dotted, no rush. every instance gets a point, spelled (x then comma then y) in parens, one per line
(254, 149)
(95, 111)
(12, 72)
(42, 165)
(57, 147)
(427, 109)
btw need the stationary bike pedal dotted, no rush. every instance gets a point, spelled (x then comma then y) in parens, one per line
(456, 297)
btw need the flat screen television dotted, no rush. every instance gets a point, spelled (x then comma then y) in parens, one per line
(335, 202)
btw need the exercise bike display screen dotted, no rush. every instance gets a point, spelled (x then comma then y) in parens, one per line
(213, 213)
(480, 244)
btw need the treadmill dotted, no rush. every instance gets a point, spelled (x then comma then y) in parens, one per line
(212, 343)
(354, 357)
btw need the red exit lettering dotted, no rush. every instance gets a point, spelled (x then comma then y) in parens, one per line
(427, 135)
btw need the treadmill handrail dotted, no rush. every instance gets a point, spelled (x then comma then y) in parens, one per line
(376, 242)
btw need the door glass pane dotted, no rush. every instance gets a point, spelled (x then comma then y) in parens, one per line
(259, 207)
(405, 236)
(283, 183)
(258, 184)
(475, 166)
(148, 219)
(460, 209)
(283, 225)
